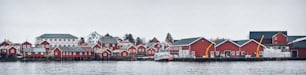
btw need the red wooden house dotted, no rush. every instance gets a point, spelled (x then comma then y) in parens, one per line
(272, 39)
(192, 47)
(226, 48)
(8, 51)
(71, 53)
(45, 44)
(298, 48)
(6, 43)
(141, 50)
(25, 45)
(130, 48)
(151, 51)
(103, 53)
(154, 43)
(280, 38)
(120, 53)
(88, 53)
(34, 52)
(248, 47)
(110, 42)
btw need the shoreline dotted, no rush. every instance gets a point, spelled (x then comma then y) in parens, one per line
(174, 59)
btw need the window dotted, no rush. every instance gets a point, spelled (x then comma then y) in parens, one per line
(12, 51)
(211, 52)
(243, 53)
(50, 39)
(74, 53)
(64, 39)
(237, 52)
(233, 52)
(54, 39)
(124, 54)
(275, 38)
(217, 53)
(104, 54)
(89, 53)
(59, 39)
(24, 46)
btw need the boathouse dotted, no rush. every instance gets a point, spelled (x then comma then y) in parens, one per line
(192, 47)
(298, 48)
(248, 47)
(226, 48)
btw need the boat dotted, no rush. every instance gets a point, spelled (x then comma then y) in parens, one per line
(163, 55)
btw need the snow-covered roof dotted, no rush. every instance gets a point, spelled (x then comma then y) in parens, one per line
(297, 40)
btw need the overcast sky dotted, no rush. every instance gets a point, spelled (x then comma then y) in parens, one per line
(22, 20)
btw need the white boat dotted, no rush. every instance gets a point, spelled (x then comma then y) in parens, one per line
(163, 55)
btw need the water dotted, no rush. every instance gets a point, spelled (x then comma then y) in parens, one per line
(153, 68)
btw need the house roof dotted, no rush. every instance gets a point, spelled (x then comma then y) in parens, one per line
(126, 46)
(244, 42)
(223, 41)
(292, 38)
(267, 34)
(219, 41)
(241, 42)
(72, 49)
(102, 50)
(186, 41)
(109, 39)
(151, 44)
(34, 50)
(26, 42)
(299, 45)
(94, 34)
(88, 49)
(297, 40)
(57, 36)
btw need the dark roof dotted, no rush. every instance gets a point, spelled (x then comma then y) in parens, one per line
(109, 39)
(185, 41)
(241, 42)
(72, 49)
(268, 34)
(34, 50)
(292, 38)
(219, 41)
(299, 45)
(57, 36)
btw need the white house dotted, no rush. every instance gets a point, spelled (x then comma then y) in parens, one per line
(58, 40)
(93, 38)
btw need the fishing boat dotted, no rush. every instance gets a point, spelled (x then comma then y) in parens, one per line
(163, 55)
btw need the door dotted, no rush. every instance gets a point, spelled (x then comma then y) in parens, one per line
(294, 54)
(227, 53)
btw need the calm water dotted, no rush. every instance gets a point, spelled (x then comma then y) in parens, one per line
(153, 68)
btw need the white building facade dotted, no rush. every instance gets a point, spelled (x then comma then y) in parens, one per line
(93, 38)
(58, 40)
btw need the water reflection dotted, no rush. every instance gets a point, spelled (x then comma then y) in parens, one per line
(153, 68)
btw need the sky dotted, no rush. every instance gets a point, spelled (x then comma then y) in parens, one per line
(24, 20)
